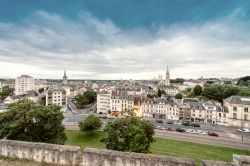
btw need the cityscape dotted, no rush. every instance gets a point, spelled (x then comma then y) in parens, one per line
(154, 83)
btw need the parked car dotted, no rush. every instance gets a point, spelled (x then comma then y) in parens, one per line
(170, 129)
(180, 130)
(212, 134)
(244, 130)
(195, 125)
(170, 122)
(202, 132)
(177, 123)
(186, 123)
(159, 121)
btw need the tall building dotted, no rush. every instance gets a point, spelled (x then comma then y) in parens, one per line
(65, 78)
(167, 79)
(24, 84)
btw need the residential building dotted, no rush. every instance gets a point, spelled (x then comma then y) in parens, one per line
(31, 95)
(56, 95)
(103, 102)
(238, 108)
(23, 84)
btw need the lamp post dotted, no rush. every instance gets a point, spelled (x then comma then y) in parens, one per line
(241, 126)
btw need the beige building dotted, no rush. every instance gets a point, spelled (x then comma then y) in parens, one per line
(23, 84)
(121, 101)
(238, 111)
(56, 95)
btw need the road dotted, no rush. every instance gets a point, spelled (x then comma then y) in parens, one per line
(223, 140)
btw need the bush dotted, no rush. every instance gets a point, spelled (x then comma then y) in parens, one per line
(90, 124)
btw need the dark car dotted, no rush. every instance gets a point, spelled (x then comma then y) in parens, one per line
(195, 125)
(180, 130)
(186, 123)
(170, 122)
(159, 121)
(213, 134)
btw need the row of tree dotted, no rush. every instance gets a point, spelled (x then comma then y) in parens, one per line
(217, 92)
(86, 98)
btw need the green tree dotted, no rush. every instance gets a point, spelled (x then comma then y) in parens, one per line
(41, 90)
(90, 124)
(27, 121)
(177, 80)
(244, 81)
(6, 91)
(197, 90)
(178, 96)
(81, 101)
(160, 92)
(90, 96)
(129, 133)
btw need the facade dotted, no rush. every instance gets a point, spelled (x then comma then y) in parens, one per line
(23, 84)
(31, 95)
(159, 108)
(169, 89)
(121, 100)
(103, 102)
(238, 111)
(56, 95)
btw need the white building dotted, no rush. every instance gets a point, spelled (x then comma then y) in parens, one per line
(24, 84)
(192, 83)
(103, 102)
(238, 111)
(56, 95)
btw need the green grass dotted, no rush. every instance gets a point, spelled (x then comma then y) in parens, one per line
(162, 146)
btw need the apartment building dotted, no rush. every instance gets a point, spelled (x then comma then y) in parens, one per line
(56, 95)
(103, 102)
(23, 84)
(121, 100)
(238, 111)
(159, 108)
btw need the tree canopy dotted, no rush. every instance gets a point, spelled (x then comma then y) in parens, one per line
(178, 96)
(197, 90)
(177, 80)
(27, 121)
(6, 91)
(244, 81)
(90, 124)
(85, 98)
(129, 133)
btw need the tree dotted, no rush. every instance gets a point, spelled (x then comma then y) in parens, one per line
(160, 92)
(6, 91)
(178, 96)
(27, 121)
(177, 80)
(90, 96)
(197, 90)
(244, 81)
(81, 101)
(129, 133)
(90, 124)
(41, 90)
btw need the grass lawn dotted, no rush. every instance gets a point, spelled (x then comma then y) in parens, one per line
(162, 146)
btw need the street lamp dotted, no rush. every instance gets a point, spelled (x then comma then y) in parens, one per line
(241, 126)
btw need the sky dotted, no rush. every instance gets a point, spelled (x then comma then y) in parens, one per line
(124, 39)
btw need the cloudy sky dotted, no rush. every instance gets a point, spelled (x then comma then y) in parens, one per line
(129, 39)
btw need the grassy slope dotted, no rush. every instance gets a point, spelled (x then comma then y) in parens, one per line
(164, 147)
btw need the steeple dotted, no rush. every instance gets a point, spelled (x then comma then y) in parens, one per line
(65, 78)
(167, 78)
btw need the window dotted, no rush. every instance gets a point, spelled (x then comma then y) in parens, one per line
(224, 115)
(219, 114)
(234, 116)
(246, 109)
(245, 117)
(234, 108)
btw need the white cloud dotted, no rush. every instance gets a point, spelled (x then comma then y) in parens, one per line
(46, 44)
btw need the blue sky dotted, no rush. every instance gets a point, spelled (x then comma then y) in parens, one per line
(113, 39)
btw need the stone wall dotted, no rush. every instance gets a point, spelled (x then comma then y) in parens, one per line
(71, 155)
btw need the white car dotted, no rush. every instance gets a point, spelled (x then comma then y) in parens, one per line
(202, 132)
(244, 130)
(177, 123)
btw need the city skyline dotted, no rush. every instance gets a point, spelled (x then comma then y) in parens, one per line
(117, 39)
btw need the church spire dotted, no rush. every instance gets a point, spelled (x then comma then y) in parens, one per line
(167, 78)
